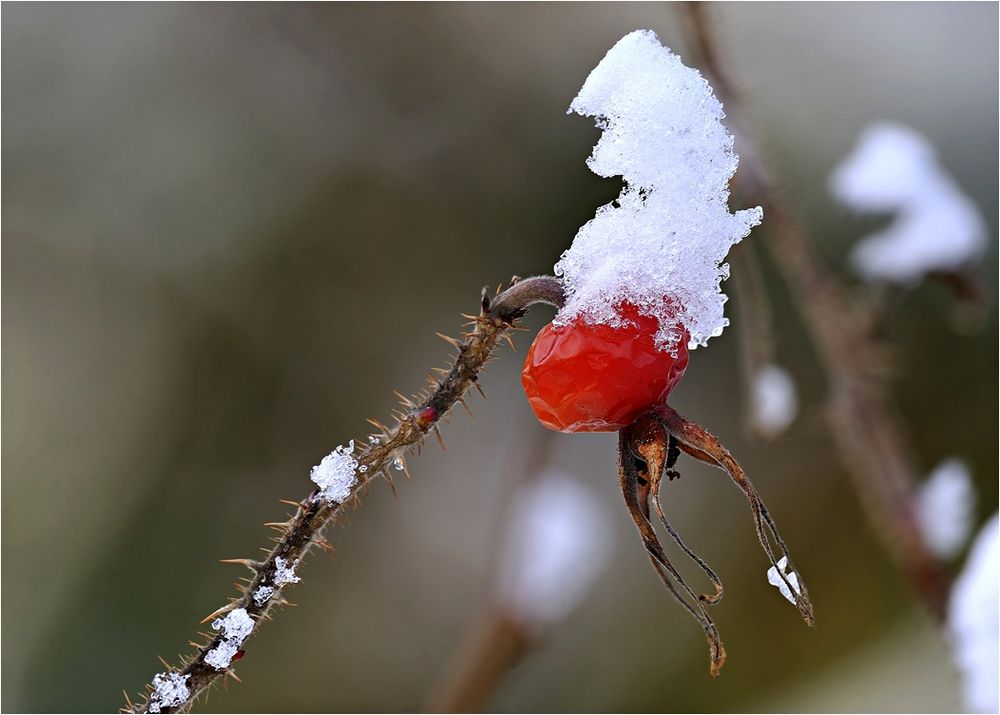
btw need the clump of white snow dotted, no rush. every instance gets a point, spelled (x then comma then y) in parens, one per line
(335, 475)
(169, 690)
(662, 243)
(893, 169)
(222, 655)
(774, 578)
(557, 542)
(284, 573)
(973, 622)
(774, 402)
(235, 627)
(262, 594)
(944, 508)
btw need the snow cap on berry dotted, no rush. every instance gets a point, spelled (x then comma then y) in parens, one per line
(662, 243)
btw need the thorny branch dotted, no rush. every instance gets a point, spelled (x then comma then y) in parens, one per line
(871, 438)
(305, 528)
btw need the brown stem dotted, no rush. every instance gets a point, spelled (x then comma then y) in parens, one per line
(297, 536)
(870, 436)
(497, 645)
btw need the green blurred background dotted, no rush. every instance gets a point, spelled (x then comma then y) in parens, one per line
(230, 231)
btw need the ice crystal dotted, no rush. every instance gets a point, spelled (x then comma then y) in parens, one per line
(335, 475)
(662, 243)
(169, 690)
(283, 573)
(235, 627)
(262, 594)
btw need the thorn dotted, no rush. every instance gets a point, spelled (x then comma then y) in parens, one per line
(478, 387)
(252, 565)
(195, 645)
(451, 341)
(128, 700)
(485, 300)
(165, 663)
(440, 439)
(462, 400)
(280, 525)
(234, 676)
(510, 341)
(440, 370)
(289, 502)
(266, 551)
(219, 611)
(322, 543)
(403, 398)
(391, 485)
(379, 425)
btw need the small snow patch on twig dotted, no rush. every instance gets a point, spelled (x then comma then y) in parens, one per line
(235, 627)
(169, 690)
(262, 594)
(283, 573)
(336, 474)
(944, 507)
(774, 578)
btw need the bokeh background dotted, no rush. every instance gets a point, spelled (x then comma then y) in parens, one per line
(230, 231)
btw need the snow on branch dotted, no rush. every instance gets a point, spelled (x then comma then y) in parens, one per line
(937, 228)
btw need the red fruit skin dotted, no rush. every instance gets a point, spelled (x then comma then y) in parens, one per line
(595, 378)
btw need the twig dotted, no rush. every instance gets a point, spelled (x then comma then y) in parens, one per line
(870, 437)
(297, 536)
(497, 644)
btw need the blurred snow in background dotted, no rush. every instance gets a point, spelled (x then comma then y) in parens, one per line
(936, 227)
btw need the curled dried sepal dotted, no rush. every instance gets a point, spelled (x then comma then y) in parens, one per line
(648, 450)
(701, 444)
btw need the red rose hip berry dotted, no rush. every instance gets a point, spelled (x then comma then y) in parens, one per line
(597, 378)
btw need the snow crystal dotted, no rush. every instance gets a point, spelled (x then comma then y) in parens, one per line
(774, 401)
(222, 655)
(944, 508)
(235, 627)
(774, 578)
(937, 227)
(262, 594)
(335, 475)
(662, 243)
(169, 690)
(283, 573)
(557, 541)
(973, 622)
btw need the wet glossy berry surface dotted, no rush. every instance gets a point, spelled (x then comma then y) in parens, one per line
(595, 378)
